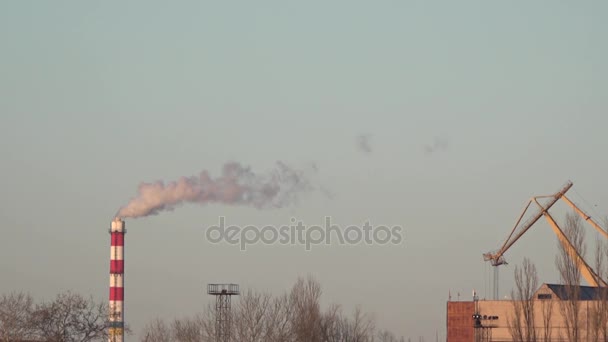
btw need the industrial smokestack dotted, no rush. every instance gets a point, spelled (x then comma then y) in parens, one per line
(237, 185)
(117, 275)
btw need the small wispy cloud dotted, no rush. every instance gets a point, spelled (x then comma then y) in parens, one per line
(439, 144)
(363, 143)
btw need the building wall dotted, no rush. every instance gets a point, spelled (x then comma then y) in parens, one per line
(460, 320)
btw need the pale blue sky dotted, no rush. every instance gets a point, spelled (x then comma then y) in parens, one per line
(97, 97)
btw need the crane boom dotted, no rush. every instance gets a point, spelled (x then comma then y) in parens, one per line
(497, 259)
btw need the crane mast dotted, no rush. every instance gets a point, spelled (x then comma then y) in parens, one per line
(497, 258)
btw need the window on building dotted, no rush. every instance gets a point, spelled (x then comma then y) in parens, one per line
(544, 296)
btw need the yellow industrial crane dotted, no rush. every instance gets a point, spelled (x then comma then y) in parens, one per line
(497, 258)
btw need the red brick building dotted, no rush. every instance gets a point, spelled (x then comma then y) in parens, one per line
(492, 317)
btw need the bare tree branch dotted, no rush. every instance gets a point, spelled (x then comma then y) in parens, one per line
(570, 276)
(157, 331)
(15, 317)
(70, 318)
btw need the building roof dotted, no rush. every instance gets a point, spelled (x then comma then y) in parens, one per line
(564, 292)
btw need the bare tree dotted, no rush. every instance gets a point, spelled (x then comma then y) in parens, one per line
(547, 316)
(570, 276)
(358, 328)
(598, 315)
(295, 316)
(280, 319)
(206, 323)
(386, 336)
(187, 330)
(305, 296)
(250, 317)
(332, 324)
(362, 326)
(70, 318)
(15, 317)
(522, 324)
(602, 298)
(157, 331)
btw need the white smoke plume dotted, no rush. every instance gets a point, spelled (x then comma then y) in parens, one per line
(237, 185)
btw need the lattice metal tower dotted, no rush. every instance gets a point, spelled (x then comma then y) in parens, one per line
(223, 319)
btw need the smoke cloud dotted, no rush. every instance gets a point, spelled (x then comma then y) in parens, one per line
(237, 185)
(363, 143)
(436, 146)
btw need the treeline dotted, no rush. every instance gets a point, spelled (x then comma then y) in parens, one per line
(573, 317)
(70, 317)
(295, 316)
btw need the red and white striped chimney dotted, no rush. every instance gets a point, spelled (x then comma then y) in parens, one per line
(117, 275)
